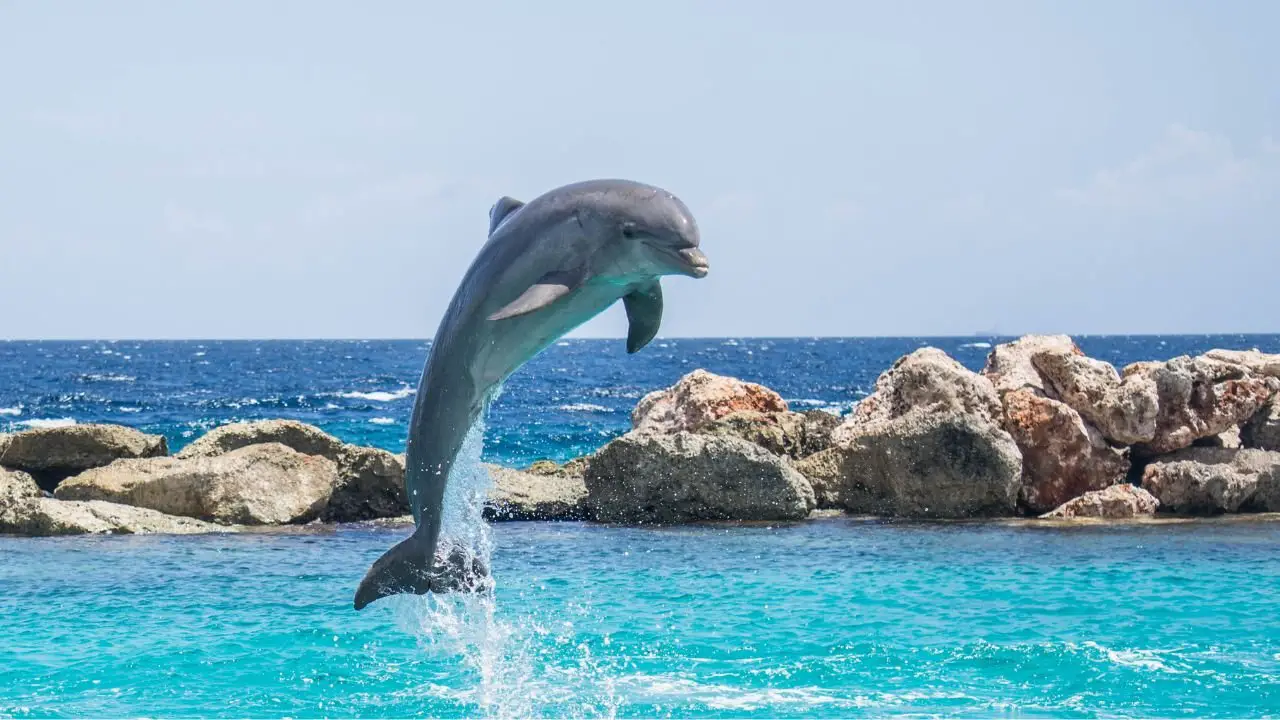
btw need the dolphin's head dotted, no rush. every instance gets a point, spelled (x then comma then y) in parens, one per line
(655, 228)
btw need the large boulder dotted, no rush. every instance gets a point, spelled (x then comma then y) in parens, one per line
(825, 472)
(1124, 410)
(793, 434)
(267, 484)
(699, 398)
(926, 443)
(306, 439)
(522, 495)
(1063, 455)
(1118, 502)
(5, 439)
(1197, 398)
(52, 454)
(1258, 363)
(682, 477)
(16, 486)
(573, 468)
(1209, 481)
(42, 516)
(370, 485)
(1262, 431)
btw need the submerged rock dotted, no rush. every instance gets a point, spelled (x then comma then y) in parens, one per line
(1063, 455)
(522, 495)
(699, 398)
(682, 477)
(42, 516)
(52, 454)
(267, 484)
(1198, 398)
(926, 443)
(370, 486)
(1209, 481)
(1118, 502)
(306, 439)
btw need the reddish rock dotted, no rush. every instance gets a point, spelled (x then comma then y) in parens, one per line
(1124, 410)
(699, 398)
(1118, 502)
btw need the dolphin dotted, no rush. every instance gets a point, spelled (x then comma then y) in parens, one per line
(547, 267)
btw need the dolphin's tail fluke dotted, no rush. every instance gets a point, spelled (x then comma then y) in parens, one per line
(414, 566)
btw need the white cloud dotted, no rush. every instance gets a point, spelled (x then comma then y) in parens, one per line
(1184, 166)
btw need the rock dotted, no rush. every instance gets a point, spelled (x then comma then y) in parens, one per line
(573, 468)
(1063, 456)
(1010, 367)
(1198, 397)
(1262, 431)
(52, 454)
(1229, 438)
(1258, 363)
(521, 495)
(1118, 502)
(267, 484)
(701, 397)
(1123, 410)
(681, 477)
(5, 439)
(42, 516)
(781, 433)
(306, 439)
(370, 486)
(926, 443)
(16, 486)
(825, 472)
(1209, 481)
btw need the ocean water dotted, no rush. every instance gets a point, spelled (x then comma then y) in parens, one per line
(831, 617)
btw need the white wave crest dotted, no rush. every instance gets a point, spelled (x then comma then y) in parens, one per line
(976, 345)
(584, 407)
(11, 411)
(378, 395)
(382, 421)
(108, 377)
(39, 423)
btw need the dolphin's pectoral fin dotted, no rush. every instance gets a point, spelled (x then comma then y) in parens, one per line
(644, 314)
(500, 210)
(549, 288)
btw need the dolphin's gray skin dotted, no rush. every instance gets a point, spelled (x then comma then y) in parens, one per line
(548, 267)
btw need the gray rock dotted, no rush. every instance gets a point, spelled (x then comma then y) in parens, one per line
(1257, 363)
(1118, 502)
(926, 443)
(1198, 397)
(267, 484)
(16, 486)
(522, 495)
(306, 439)
(573, 468)
(51, 454)
(41, 516)
(1229, 438)
(1009, 365)
(1209, 481)
(1262, 431)
(782, 433)
(1123, 410)
(825, 472)
(5, 439)
(681, 477)
(370, 486)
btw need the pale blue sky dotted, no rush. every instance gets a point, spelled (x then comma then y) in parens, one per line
(309, 169)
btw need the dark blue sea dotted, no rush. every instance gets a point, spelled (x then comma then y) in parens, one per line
(830, 617)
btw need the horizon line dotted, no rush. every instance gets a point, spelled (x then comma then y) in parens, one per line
(656, 339)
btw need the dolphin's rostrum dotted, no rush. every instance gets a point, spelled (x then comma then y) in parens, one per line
(548, 266)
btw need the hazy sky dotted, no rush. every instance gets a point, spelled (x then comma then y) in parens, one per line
(309, 169)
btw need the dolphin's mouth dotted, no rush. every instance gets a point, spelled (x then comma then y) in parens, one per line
(695, 262)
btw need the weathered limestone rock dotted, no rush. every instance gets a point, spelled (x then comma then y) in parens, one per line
(16, 486)
(1198, 397)
(573, 468)
(825, 472)
(1209, 481)
(701, 397)
(926, 443)
(41, 516)
(5, 439)
(521, 495)
(1124, 411)
(681, 477)
(1262, 431)
(306, 439)
(266, 484)
(1229, 438)
(1118, 502)
(51, 454)
(782, 433)
(370, 485)
(1063, 456)
(1258, 363)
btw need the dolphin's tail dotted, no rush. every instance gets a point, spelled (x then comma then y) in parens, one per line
(405, 568)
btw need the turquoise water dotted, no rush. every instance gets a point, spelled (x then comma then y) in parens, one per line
(834, 617)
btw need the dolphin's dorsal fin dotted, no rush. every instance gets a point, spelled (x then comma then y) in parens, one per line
(644, 314)
(549, 288)
(501, 209)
